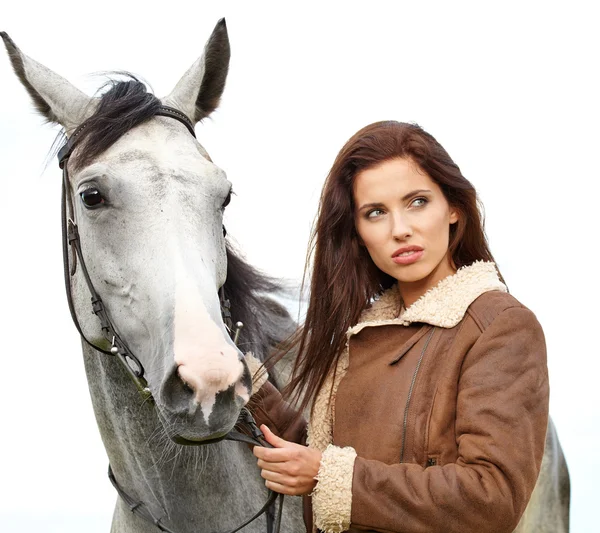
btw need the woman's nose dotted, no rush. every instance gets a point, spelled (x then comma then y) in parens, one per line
(401, 228)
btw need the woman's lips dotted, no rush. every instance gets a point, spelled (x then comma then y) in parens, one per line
(407, 258)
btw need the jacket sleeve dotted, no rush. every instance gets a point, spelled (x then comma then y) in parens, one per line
(501, 421)
(268, 407)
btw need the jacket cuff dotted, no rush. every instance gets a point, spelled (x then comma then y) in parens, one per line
(332, 497)
(257, 371)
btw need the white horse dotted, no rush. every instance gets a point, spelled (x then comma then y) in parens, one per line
(147, 203)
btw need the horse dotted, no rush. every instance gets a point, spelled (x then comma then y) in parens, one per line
(143, 212)
(149, 215)
(548, 510)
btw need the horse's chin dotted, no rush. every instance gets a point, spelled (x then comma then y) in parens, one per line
(195, 435)
(178, 439)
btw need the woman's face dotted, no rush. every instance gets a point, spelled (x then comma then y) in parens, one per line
(403, 219)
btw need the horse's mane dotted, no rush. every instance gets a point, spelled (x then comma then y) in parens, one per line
(127, 104)
(266, 321)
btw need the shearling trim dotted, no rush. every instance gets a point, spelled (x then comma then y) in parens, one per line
(320, 426)
(257, 371)
(332, 496)
(386, 307)
(444, 305)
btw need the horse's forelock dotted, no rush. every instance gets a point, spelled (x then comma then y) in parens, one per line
(126, 104)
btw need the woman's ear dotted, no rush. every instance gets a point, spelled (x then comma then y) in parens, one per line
(454, 216)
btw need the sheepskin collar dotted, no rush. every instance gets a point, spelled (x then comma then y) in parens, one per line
(444, 305)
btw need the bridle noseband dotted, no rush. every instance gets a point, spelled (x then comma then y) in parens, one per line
(119, 348)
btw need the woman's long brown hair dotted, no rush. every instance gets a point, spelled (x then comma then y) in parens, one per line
(344, 279)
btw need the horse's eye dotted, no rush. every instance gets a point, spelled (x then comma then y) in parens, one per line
(92, 198)
(227, 200)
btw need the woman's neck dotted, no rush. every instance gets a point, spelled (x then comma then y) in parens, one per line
(413, 290)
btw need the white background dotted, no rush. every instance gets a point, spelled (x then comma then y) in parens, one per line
(509, 88)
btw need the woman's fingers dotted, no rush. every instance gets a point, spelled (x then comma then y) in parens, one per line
(274, 455)
(290, 468)
(273, 439)
(287, 484)
(273, 467)
(278, 477)
(282, 489)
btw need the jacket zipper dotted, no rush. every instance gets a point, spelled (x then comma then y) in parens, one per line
(410, 390)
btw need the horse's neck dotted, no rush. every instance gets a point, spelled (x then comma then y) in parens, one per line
(189, 486)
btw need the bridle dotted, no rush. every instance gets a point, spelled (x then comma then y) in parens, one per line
(120, 350)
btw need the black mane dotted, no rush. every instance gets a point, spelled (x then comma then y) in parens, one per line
(266, 322)
(125, 105)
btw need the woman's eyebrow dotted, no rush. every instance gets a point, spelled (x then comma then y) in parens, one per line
(367, 206)
(414, 193)
(404, 198)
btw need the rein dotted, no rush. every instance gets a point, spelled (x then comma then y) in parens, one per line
(119, 348)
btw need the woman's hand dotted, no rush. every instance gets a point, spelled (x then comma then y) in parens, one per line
(288, 468)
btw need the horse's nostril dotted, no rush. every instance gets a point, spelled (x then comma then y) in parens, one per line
(184, 381)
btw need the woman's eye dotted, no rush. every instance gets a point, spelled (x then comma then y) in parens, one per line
(419, 202)
(92, 198)
(375, 213)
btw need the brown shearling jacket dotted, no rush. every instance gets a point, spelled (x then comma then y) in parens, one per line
(438, 414)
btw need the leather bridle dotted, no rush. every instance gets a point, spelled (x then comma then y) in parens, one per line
(120, 350)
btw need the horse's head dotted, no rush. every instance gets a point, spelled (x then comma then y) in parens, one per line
(148, 203)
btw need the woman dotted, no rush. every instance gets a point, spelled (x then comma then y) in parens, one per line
(426, 381)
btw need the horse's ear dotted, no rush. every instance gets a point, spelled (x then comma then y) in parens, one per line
(53, 96)
(199, 91)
